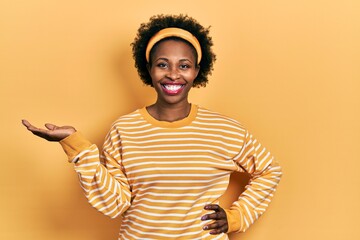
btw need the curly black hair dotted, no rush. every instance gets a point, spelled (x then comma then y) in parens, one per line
(158, 22)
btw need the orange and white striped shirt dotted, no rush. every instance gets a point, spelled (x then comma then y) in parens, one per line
(159, 175)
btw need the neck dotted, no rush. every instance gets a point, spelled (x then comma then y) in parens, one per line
(169, 112)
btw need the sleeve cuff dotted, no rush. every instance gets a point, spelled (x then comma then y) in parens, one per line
(74, 144)
(233, 219)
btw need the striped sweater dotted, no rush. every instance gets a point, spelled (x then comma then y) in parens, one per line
(159, 175)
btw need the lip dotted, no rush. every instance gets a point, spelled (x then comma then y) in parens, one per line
(172, 92)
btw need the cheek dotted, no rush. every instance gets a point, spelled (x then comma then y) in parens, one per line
(155, 75)
(190, 76)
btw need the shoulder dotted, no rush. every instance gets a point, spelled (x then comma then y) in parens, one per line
(127, 122)
(219, 119)
(130, 119)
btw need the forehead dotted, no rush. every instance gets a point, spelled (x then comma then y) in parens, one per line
(173, 47)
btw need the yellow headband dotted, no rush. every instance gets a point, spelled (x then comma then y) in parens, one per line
(174, 32)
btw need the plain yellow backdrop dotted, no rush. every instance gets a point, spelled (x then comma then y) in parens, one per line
(288, 70)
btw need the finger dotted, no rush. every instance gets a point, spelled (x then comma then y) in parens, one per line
(214, 207)
(209, 216)
(26, 123)
(214, 232)
(213, 216)
(217, 227)
(214, 225)
(31, 127)
(223, 229)
(218, 214)
(50, 126)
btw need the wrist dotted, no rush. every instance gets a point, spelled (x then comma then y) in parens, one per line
(74, 144)
(234, 220)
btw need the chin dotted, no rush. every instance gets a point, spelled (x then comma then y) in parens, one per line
(173, 100)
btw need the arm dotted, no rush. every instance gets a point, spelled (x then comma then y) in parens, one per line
(104, 184)
(101, 178)
(265, 174)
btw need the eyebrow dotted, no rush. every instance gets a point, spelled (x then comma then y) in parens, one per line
(166, 59)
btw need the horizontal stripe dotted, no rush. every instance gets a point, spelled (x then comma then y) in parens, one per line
(160, 179)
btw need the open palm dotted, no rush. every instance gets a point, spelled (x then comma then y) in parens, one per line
(52, 132)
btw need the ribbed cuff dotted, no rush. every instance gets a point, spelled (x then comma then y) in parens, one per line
(74, 144)
(233, 219)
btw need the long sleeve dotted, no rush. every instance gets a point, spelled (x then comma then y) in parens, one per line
(101, 177)
(265, 174)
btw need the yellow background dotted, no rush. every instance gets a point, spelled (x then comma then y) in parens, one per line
(288, 70)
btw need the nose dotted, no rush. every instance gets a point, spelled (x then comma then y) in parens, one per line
(173, 73)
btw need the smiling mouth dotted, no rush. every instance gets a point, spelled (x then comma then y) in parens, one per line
(172, 89)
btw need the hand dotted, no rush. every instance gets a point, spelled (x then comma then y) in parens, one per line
(52, 133)
(220, 225)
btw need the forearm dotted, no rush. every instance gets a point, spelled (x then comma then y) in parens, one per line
(106, 193)
(103, 191)
(265, 174)
(254, 201)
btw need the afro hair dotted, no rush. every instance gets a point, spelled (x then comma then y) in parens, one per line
(158, 22)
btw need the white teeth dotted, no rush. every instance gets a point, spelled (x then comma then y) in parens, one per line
(172, 87)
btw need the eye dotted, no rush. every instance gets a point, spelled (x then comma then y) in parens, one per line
(184, 66)
(161, 65)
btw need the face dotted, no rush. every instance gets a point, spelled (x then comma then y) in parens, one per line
(173, 70)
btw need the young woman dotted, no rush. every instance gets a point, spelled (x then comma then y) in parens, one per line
(164, 167)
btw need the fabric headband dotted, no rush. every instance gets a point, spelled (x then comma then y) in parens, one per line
(174, 32)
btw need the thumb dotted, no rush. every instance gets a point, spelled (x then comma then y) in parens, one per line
(50, 126)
